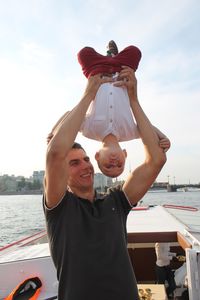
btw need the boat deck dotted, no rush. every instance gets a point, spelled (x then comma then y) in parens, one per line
(26, 252)
(153, 219)
(144, 224)
(190, 218)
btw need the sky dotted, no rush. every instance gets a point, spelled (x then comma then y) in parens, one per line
(40, 77)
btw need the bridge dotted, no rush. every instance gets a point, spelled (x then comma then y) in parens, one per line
(172, 187)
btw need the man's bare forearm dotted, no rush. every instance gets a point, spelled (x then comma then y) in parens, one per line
(58, 123)
(140, 179)
(160, 134)
(68, 126)
(150, 135)
(147, 133)
(66, 130)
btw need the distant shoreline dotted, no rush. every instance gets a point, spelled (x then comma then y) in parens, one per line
(21, 193)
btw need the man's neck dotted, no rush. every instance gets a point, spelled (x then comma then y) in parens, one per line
(86, 193)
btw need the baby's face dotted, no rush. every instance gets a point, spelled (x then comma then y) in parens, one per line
(111, 163)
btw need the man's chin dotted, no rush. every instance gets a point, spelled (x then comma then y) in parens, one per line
(87, 181)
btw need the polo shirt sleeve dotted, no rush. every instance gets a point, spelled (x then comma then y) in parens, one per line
(56, 209)
(54, 217)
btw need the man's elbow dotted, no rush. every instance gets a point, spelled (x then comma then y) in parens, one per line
(53, 153)
(160, 159)
(157, 160)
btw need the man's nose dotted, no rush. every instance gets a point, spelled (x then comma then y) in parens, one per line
(86, 164)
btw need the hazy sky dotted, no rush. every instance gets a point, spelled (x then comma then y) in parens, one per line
(40, 77)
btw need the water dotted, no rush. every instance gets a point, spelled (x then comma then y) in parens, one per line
(176, 198)
(22, 215)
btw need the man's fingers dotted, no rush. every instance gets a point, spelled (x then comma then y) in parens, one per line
(107, 79)
(127, 75)
(120, 83)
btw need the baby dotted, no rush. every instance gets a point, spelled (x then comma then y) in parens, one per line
(110, 118)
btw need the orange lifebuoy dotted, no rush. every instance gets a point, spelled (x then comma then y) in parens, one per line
(30, 286)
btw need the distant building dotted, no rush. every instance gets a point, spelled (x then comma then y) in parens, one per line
(12, 184)
(8, 183)
(38, 176)
(101, 182)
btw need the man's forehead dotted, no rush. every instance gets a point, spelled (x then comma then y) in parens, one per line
(76, 154)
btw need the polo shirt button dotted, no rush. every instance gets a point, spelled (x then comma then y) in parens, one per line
(110, 106)
(110, 93)
(111, 120)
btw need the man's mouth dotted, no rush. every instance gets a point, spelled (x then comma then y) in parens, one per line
(86, 175)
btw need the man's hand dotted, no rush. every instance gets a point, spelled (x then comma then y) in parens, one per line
(94, 83)
(127, 79)
(165, 144)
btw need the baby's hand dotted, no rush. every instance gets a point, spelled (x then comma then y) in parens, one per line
(165, 144)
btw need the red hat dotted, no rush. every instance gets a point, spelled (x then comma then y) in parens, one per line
(94, 63)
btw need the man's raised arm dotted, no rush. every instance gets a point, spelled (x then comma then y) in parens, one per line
(141, 179)
(65, 132)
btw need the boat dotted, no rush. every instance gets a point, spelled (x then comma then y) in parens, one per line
(30, 256)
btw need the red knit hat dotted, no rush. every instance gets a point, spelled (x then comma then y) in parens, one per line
(94, 63)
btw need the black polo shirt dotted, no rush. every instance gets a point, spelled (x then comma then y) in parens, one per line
(88, 244)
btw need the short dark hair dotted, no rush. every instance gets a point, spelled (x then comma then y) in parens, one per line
(77, 146)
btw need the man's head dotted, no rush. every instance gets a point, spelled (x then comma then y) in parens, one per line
(80, 169)
(111, 161)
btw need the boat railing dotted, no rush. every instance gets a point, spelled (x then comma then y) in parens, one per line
(39, 237)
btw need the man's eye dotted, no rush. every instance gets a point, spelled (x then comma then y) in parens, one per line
(87, 159)
(74, 163)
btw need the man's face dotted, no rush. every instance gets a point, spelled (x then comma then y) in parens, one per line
(111, 163)
(80, 169)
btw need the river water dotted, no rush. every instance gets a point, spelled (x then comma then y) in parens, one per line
(22, 215)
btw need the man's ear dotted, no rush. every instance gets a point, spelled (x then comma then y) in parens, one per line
(125, 153)
(97, 156)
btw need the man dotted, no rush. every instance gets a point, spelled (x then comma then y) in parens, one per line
(87, 234)
(163, 269)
